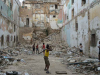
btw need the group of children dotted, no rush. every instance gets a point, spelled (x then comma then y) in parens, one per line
(46, 54)
(35, 48)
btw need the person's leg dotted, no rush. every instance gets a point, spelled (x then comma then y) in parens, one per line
(48, 65)
(82, 53)
(45, 64)
(36, 51)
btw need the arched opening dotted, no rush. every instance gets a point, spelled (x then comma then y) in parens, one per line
(7, 38)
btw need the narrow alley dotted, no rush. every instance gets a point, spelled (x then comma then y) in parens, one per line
(56, 37)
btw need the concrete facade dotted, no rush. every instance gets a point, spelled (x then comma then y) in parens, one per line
(82, 25)
(8, 27)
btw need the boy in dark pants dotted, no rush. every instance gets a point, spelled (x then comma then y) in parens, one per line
(47, 63)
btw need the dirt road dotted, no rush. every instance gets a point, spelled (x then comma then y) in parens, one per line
(34, 65)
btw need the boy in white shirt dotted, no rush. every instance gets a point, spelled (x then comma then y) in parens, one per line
(81, 50)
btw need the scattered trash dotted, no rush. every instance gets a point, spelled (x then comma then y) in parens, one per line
(12, 73)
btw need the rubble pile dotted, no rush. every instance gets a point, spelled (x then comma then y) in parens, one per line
(76, 63)
(73, 60)
(7, 55)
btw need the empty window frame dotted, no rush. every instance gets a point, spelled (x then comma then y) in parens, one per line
(14, 39)
(27, 21)
(8, 38)
(83, 2)
(4, 1)
(72, 2)
(14, 28)
(67, 17)
(56, 6)
(10, 6)
(72, 13)
(93, 39)
(11, 38)
(2, 40)
(1, 7)
(54, 16)
(76, 25)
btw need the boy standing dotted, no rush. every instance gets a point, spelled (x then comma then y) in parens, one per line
(81, 50)
(47, 63)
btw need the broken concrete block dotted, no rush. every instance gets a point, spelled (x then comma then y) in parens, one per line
(98, 68)
(72, 61)
(26, 74)
(12, 73)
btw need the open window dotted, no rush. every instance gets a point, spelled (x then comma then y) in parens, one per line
(72, 13)
(27, 21)
(76, 25)
(72, 2)
(14, 39)
(2, 40)
(11, 38)
(83, 2)
(54, 16)
(56, 7)
(7, 38)
(1, 7)
(14, 28)
(4, 1)
(93, 39)
(10, 6)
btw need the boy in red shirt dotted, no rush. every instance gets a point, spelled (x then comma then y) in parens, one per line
(43, 47)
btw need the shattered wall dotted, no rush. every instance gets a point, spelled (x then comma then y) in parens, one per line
(8, 28)
(25, 14)
(95, 29)
(24, 33)
(83, 28)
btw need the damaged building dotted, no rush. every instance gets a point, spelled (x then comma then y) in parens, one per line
(38, 18)
(66, 32)
(9, 23)
(81, 25)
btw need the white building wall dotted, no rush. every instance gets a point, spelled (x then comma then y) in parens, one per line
(82, 35)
